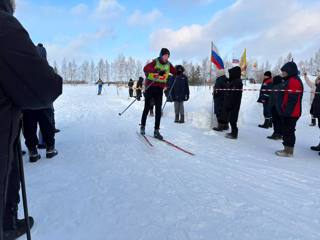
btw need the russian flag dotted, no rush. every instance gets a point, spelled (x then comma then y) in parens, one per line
(216, 59)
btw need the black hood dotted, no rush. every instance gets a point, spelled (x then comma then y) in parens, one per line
(5, 5)
(291, 68)
(235, 73)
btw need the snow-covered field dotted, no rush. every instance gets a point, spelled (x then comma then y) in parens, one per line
(106, 184)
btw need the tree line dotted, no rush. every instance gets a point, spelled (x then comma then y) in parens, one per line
(124, 68)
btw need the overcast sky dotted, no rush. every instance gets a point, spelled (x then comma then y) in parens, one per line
(105, 28)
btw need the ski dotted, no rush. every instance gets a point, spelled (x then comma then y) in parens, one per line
(146, 140)
(175, 146)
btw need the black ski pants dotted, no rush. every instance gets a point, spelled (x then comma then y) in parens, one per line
(30, 120)
(153, 94)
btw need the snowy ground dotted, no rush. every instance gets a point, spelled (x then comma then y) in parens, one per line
(106, 184)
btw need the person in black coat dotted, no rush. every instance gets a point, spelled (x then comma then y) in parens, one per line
(139, 88)
(180, 93)
(219, 98)
(315, 109)
(233, 100)
(27, 82)
(130, 85)
(264, 98)
(277, 84)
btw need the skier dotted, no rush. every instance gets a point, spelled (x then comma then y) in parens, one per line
(264, 98)
(233, 100)
(179, 93)
(219, 99)
(289, 107)
(315, 109)
(312, 95)
(276, 119)
(157, 73)
(130, 85)
(139, 88)
(27, 82)
(100, 86)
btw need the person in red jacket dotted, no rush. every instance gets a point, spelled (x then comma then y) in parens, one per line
(157, 73)
(289, 106)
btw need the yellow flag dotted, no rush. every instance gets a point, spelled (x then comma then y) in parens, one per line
(243, 62)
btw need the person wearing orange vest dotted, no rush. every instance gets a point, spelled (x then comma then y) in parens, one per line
(157, 74)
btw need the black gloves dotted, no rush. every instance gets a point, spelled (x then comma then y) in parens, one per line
(162, 73)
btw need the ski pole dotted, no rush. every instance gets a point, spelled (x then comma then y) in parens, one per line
(23, 191)
(120, 114)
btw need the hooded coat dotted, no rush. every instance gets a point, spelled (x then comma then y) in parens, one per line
(218, 95)
(289, 103)
(233, 97)
(315, 109)
(26, 82)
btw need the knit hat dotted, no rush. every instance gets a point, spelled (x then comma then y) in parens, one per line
(268, 74)
(164, 51)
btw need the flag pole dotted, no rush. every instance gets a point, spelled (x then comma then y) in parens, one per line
(211, 82)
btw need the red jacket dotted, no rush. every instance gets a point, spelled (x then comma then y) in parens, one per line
(291, 101)
(150, 68)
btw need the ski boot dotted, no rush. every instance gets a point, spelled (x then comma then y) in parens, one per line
(143, 130)
(51, 152)
(157, 135)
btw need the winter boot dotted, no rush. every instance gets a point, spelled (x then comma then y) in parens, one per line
(266, 124)
(316, 148)
(181, 119)
(157, 134)
(34, 156)
(233, 134)
(13, 227)
(176, 120)
(226, 127)
(286, 152)
(275, 136)
(51, 152)
(313, 122)
(143, 130)
(220, 127)
(19, 230)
